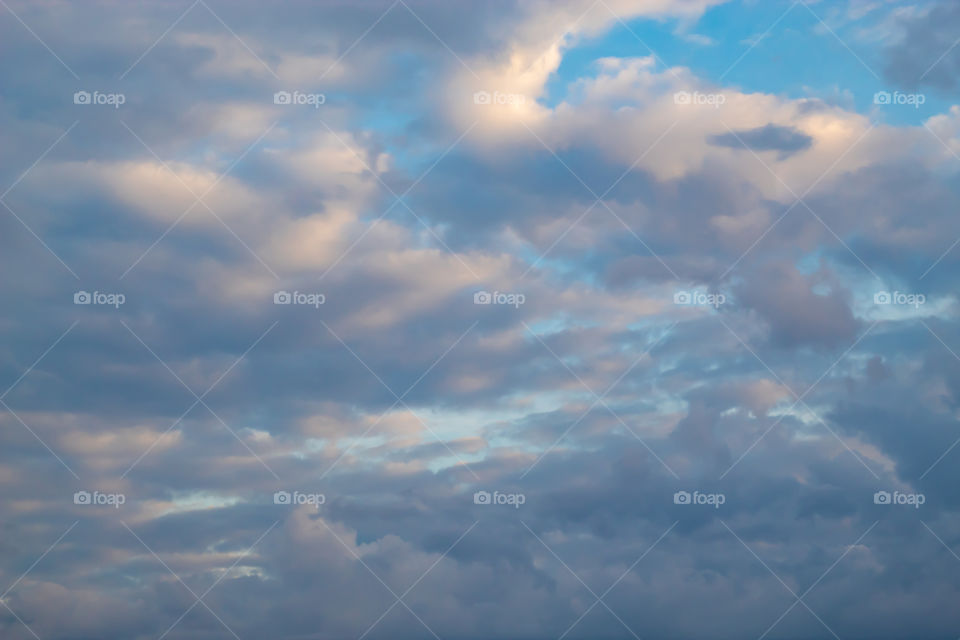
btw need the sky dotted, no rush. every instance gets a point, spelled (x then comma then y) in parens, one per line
(513, 320)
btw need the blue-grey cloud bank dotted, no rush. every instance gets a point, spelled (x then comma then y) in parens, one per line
(506, 320)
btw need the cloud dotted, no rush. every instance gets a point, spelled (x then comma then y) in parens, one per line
(786, 140)
(924, 55)
(582, 198)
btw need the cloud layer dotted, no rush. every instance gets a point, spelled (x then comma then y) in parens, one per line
(467, 320)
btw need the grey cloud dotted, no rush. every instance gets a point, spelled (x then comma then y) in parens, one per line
(499, 399)
(797, 314)
(771, 137)
(925, 55)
